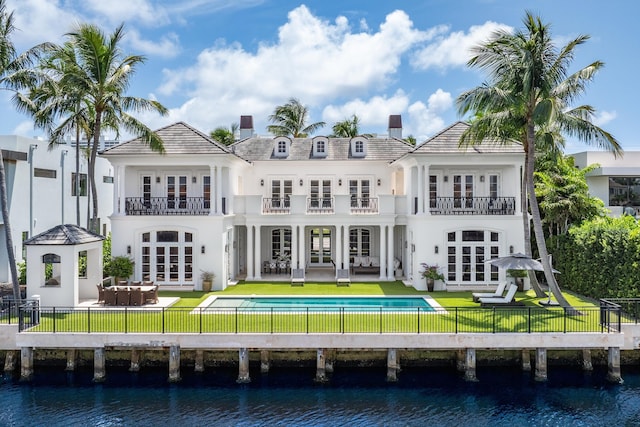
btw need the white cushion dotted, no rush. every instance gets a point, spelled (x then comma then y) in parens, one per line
(366, 262)
(396, 263)
(375, 261)
(357, 261)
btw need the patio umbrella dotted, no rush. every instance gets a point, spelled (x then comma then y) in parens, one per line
(519, 261)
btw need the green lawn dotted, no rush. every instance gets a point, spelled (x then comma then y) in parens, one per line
(462, 314)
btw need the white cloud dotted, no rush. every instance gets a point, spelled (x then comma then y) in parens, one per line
(47, 16)
(139, 11)
(167, 47)
(25, 128)
(601, 118)
(424, 119)
(373, 112)
(313, 59)
(453, 50)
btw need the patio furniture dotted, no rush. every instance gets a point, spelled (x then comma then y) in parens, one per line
(498, 292)
(508, 299)
(122, 296)
(110, 296)
(342, 277)
(123, 283)
(136, 298)
(100, 294)
(297, 277)
(151, 295)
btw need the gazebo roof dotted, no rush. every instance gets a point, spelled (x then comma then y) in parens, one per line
(67, 234)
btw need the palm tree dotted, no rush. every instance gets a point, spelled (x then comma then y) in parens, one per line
(290, 120)
(348, 128)
(98, 74)
(223, 135)
(530, 91)
(15, 73)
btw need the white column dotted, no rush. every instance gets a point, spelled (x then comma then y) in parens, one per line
(250, 252)
(345, 246)
(382, 250)
(232, 253)
(219, 190)
(212, 190)
(117, 210)
(120, 205)
(294, 246)
(338, 246)
(420, 189)
(408, 189)
(258, 254)
(390, 243)
(427, 194)
(302, 248)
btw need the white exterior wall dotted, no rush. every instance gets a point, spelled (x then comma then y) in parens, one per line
(49, 195)
(628, 165)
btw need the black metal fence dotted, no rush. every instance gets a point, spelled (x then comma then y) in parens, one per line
(338, 320)
(628, 310)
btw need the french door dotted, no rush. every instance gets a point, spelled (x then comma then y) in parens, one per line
(320, 247)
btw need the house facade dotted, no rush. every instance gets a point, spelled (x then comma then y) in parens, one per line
(616, 181)
(41, 191)
(377, 206)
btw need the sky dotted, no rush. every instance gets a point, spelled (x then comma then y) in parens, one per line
(211, 61)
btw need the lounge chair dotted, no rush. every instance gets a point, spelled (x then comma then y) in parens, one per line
(498, 293)
(505, 300)
(297, 277)
(342, 277)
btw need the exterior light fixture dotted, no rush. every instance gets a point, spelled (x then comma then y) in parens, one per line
(511, 249)
(481, 178)
(301, 182)
(193, 179)
(379, 182)
(128, 249)
(435, 249)
(339, 182)
(202, 249)
(262, 183)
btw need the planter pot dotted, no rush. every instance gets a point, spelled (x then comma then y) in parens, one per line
(430, 285)
(206, 286)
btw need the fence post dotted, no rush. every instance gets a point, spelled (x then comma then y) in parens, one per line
(529, 321)
(88, 320)
(493, 320)
(565, 321)
(126, 327)
(380, 319)
(456, 320)
(307, 319)
(342, 320)
(236, 319)
(200, 319)
(54, 319)
(418, 319)
(163, 320)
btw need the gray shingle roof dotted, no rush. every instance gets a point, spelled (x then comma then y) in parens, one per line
(67, 234)
(378, 149)
(448, 139)
(178, 138)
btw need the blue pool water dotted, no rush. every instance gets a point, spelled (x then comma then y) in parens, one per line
(366, 303)
(289, 397)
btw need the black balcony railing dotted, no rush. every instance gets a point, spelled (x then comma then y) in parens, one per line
(167, 206)
(276, 205)
(473, 206)
(364, 205)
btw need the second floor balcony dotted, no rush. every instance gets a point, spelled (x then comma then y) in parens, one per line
(169, 205)
(473, 206)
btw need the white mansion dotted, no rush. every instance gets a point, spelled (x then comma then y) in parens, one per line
(376, 205)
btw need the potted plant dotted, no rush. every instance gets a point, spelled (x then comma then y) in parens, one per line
(518, 277)
(120, 267)
(431, 273)
(207, 280)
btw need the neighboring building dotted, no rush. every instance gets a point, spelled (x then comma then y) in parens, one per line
(616, 181)
(264, 205)
(41, 191)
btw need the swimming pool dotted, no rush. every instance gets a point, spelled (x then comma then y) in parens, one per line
(321, 303)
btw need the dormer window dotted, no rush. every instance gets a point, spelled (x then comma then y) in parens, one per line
(281, 148)
(320, 146)
(359, 147)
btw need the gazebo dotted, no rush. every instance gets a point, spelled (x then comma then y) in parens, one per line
(64, 265)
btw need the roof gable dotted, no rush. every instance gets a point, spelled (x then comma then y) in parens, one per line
(178, 138)
(448, 140)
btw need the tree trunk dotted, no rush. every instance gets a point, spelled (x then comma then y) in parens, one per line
(77, 183)
(7, 231)
(92, 172)
(537, 221)
(527, 230)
